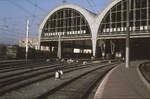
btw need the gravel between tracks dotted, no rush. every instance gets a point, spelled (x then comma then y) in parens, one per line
(34, 90)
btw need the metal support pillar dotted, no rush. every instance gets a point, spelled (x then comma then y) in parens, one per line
(27, 40)
(102, 45)
(134, 16)
(110, 26)
(128, 36)
(122, 16)
(148, 15)
(59, 47)
(94, 41)
(112, 47)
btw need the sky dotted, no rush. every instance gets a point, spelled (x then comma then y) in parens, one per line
(14, 14)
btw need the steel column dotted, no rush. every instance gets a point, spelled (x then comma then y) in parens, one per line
(59, 47)
(128, 35)
(148, 15)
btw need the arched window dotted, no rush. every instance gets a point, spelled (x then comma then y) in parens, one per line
(115, 20)
(67, 22)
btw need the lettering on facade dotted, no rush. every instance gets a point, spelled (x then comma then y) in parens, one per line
(64, 33)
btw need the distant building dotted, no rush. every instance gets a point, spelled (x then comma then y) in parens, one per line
(33, 43)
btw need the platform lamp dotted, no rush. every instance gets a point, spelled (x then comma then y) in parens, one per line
(128, 35)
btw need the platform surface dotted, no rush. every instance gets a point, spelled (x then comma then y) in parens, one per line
(124, 83)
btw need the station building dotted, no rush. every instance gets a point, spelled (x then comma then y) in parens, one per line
(83, 33)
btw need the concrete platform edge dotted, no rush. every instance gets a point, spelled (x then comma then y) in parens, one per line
(103, 83)
(146, 83)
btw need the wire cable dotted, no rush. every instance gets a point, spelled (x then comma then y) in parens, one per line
(91, 5)
(36, 5)
(95, 6)
(20, 7)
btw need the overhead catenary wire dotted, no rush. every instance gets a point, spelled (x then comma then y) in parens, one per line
(7, 31)
(9, 41)
(91, 5)
(33, 15)
(9, 38)
(11, 30)
(22, 8)
(95, 6)
(16, 33)
(36, 5)
(5, 26)
(10, 35)
(33, 19)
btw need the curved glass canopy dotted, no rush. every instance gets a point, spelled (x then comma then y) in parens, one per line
(115, 20)
(66, 22)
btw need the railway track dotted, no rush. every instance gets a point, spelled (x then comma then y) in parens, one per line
(16, 82)
(25, 66)
(12, 62)
(32, 72)
(26, 70)
(78, 87)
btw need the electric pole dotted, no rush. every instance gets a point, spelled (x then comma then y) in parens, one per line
(128, 35)
(27, 40)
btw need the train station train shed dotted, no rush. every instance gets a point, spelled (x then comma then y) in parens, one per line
(85, 34)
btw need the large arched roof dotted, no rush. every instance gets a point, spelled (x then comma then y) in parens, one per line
(102, 14)
(89, 16)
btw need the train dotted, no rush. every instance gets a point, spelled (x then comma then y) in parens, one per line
(16, 52)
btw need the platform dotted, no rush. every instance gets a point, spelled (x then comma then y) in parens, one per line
(124, 83)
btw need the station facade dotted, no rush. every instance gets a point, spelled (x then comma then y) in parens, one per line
(86, 33)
